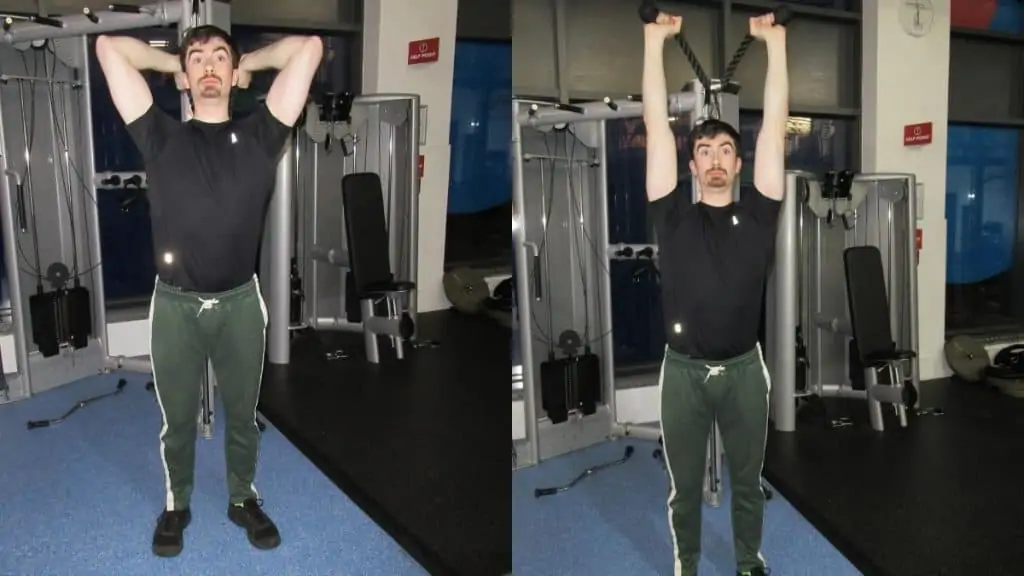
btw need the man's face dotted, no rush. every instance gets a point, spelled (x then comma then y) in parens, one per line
(715, 162)
(210, 70)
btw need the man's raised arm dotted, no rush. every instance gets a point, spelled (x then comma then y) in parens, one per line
(122, 58)
(297, 58)
(770, 153)
(662, 175)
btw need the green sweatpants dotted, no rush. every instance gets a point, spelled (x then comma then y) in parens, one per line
(694, 394)
(186, 329)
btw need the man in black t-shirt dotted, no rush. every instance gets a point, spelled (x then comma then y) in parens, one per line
(210, 181)
(714, 257)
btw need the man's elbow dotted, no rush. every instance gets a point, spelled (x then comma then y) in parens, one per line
(109, 52)
(104, 45)
(313, 47)
(771, 185)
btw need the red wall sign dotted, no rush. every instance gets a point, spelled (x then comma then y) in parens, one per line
(423, 51)
(917, 134)
(976, 14)
(422, 164)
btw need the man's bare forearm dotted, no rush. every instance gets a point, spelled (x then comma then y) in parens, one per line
(776, 88)
(142, 56)
(653, 85)
(275, 56)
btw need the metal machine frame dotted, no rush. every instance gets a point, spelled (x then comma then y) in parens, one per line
(587, 124)
(69, 33)
(380, 128)
(807, 296)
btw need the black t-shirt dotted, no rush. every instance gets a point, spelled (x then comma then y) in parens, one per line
(209, 189)
(714, 262)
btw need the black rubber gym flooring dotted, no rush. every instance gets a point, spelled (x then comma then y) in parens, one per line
(418, 444)
(943, 497)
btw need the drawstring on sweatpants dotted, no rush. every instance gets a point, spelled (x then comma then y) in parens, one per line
(713, 371)
(208, 304)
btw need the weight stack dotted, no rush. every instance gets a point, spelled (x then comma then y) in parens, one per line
(570, 384)
(76, 316)
(45, 311)
(61, 317)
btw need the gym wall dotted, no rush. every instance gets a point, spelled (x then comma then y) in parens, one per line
(388, 27)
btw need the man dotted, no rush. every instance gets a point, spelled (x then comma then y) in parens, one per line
(714, 257)
(210, 182)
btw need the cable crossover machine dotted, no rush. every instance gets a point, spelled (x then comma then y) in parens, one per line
(570, 398)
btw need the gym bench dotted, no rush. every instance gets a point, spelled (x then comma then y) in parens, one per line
(872, 335)
(383, 301)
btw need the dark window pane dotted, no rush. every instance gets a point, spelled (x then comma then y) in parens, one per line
(821, 63)
(985, 81)
(480, 180)
(982, 213)
(606, 48)
(812, 144)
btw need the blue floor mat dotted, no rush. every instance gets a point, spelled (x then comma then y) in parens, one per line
(616, 523)
(82, 498)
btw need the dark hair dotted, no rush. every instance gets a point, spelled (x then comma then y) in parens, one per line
(202, 35)
(709, 129)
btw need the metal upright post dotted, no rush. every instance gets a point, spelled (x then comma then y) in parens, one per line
(280, 242)
(523, 292)
(10, 241)
(92, 211)
(783, 311)
(414, 203)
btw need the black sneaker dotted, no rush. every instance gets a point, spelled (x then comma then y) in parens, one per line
(258, 526)
(755, 572)
(169, 536)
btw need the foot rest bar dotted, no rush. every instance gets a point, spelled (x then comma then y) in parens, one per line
(127, 363)
(401, 327)
(329, 255)
(837, 391)
(887, 394)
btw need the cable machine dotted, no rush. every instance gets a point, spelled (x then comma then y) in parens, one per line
(50, 223)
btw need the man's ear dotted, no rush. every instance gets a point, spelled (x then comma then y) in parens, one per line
(234, 77)
(693, 167)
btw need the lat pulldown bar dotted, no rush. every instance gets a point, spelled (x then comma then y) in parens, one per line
(15, 29)
(649, 10)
